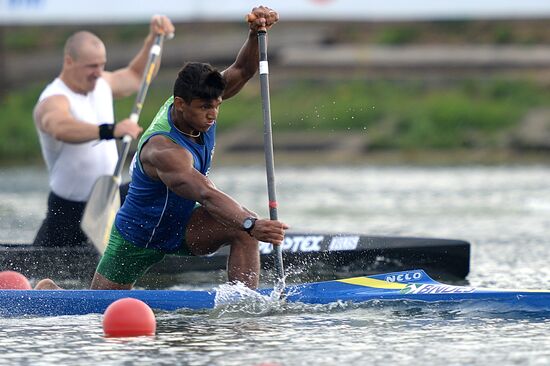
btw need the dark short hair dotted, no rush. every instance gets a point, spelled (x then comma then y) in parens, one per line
(197, 80)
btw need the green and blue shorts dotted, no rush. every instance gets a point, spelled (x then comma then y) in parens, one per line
(124, 262)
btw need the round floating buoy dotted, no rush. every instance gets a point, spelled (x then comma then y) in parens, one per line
(11, 280)
(129, 317)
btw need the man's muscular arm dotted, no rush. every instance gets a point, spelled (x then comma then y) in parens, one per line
(246, 63)
(164, 160)
(54, 117)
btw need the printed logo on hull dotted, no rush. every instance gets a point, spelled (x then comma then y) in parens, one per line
(294, 244)
(343, 243)
(414, 288)
(404, 277)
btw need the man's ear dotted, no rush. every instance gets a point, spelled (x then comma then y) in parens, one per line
(179, 103)
(68, 60)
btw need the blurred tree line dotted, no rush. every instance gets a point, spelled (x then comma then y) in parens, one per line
(403, 111)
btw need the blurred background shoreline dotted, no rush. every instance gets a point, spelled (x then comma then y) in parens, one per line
(451, 91)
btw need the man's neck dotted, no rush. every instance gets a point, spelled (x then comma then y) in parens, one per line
(182, 127)
(67, 81)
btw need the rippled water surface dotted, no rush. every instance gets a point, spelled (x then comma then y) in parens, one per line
(503, 211)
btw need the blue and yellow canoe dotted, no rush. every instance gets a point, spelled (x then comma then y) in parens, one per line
(413, 285)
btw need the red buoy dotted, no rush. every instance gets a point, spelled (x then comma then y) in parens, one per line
(11, 280)
(129, 317)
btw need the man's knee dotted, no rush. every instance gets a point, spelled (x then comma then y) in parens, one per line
(46, 284)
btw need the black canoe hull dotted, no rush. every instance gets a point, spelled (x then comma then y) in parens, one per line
(315, 255)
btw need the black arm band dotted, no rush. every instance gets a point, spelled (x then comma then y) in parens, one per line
(106, 131)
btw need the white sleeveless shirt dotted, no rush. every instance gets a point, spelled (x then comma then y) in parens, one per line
(74, 168)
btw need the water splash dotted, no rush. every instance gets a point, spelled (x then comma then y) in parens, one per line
(239, 300)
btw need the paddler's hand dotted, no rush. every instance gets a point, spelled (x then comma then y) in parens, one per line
(269, 231)
(127, 127)
(161, 24)
(261, 17)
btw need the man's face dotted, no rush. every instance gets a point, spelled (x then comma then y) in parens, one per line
(200, 114)
(86, 67)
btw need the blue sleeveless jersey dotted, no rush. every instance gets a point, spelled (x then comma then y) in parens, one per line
(153, 216)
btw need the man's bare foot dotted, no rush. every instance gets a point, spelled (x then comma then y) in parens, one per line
(46, 284)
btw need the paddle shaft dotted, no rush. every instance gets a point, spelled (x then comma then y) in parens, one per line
(152, 63)
(104, 201)
(268, 145)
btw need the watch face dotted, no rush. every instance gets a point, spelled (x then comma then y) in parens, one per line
(248, 223)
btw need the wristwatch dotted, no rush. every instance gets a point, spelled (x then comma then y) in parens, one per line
(248, 224)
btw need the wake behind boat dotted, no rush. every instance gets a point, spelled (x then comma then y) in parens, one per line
(414, 285)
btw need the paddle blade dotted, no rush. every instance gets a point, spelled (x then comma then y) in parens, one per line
(100, 211)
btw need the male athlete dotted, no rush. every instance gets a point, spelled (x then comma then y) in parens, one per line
(172, 207)
(74, 120)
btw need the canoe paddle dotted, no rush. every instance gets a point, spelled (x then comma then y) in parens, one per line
(99, 213)
(268, 146)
